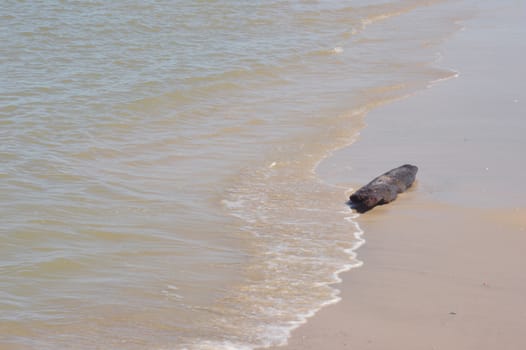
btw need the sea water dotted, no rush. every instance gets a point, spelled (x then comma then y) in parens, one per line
(157, 177)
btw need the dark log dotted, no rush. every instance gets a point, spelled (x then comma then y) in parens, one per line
(384, 188)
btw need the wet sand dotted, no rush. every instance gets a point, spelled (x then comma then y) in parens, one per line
(443, 264)
(456, 285)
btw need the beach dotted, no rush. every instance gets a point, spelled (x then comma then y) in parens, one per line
(443, 264)
(174, 175)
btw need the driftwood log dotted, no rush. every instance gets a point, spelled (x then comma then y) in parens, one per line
(384, 188)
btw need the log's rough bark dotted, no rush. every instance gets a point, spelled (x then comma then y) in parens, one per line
(384, 188)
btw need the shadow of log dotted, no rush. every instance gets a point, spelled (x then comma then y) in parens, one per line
(359, 207)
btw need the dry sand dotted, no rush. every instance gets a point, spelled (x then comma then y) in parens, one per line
(444, 264)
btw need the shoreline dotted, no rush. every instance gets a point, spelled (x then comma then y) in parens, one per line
(430, 282)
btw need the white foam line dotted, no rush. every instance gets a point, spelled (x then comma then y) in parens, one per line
(360, 241)
(280, 333)
(454, 75)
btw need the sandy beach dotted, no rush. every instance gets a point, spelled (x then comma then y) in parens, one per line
(176, 176)
(443, 265)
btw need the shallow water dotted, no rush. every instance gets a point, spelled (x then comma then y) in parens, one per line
(158, 185)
